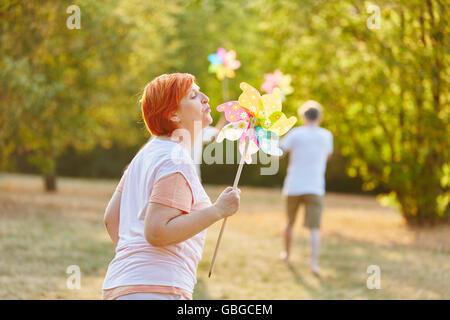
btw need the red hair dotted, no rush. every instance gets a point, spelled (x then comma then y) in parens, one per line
(161, 98)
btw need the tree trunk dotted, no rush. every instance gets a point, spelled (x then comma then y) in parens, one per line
(421, 209)
(50, 182)
(50, 174)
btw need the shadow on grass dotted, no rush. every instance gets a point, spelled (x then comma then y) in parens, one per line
(201, 291)
(315, 293)
(406, 272)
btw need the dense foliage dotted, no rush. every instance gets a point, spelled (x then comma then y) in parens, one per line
(382, 77)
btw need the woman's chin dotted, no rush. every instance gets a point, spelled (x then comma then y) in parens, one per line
(207, 120)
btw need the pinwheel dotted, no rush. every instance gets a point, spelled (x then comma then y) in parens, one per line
(269, 121)
(277, 79)
(257, 122)
(223, 63)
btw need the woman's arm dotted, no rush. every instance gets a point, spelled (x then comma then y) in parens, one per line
(165, 225)
(112, 215)
(112, 212)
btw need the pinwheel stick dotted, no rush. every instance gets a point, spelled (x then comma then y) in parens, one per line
(225, 91)
(235, 184)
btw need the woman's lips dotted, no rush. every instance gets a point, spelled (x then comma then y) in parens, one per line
(207, 109)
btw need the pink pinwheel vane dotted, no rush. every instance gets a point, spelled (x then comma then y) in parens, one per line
(277, 80)
(223, 63)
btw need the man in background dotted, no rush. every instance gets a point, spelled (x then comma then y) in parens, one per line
(310, 146)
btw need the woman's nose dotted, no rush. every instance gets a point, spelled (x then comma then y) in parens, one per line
(205, 98)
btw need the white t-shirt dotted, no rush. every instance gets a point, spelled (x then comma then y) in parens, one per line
(137, 262)
(309, 148)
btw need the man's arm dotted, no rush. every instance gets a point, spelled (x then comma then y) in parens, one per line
(330, 153)
(285, 152)
(285, 144)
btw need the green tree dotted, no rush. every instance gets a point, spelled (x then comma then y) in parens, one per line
(59, 83)
(385, 91)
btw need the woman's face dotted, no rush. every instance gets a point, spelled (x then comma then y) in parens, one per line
(194, 110)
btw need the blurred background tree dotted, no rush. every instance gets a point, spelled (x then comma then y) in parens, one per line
(69, 98)
(57, 83)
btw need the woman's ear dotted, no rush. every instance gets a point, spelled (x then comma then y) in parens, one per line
(175, 118)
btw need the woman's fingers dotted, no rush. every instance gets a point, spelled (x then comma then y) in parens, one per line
(228, 201)
(228, 189)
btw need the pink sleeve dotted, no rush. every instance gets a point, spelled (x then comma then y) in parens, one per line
(173, 191)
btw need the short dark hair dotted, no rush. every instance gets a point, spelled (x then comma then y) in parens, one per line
(312, 114)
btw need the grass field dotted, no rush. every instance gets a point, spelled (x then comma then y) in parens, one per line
(42, 234)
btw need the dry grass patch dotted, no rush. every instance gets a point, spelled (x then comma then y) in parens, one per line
(42, 234)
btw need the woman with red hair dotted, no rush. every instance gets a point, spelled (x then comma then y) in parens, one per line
(158, 215)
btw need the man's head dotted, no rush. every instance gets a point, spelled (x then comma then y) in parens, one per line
(311, 112)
